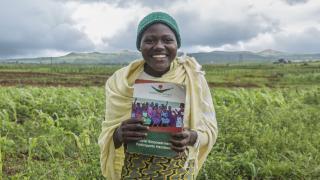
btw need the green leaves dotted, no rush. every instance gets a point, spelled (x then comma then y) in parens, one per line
(51, 133)
(266, 133)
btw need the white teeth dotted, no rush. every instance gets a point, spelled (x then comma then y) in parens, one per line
(159, 56)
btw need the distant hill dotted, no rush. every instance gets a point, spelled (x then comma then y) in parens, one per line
(81, 58)
(268, 55)
(100, 58)
(228, 57)
(214, 57)
(270, 52)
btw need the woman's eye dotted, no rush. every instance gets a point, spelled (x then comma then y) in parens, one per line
(168, 40)
(148, 41)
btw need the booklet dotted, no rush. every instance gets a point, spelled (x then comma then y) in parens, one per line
(161, 105)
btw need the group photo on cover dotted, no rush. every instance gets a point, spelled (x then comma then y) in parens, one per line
(157, 113)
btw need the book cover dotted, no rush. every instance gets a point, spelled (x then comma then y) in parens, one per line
(161, 105)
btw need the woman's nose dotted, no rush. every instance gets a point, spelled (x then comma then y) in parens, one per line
(159, 45)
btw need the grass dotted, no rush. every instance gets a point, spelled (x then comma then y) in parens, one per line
(264, 133)
(268, 128)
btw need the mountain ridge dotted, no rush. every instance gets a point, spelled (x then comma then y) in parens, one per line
(126, 56)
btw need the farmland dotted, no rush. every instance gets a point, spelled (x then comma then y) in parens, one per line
(268, 117)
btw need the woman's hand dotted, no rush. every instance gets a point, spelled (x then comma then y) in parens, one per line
(180, 141)
(129, 131)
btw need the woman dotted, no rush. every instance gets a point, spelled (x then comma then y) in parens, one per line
(158, 40)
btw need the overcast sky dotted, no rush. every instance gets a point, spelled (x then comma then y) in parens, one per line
(32, 28)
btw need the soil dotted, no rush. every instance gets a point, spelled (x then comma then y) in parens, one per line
(78, 80)
(51, 79)
(231, 85)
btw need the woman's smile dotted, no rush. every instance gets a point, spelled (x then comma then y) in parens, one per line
(160, 56)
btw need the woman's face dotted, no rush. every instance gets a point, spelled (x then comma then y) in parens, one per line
(159, 48)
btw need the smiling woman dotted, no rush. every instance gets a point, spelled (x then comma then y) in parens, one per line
(158, 48)
(158, 40)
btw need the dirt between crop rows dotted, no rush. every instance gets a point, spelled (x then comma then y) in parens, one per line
(48, 79)
(78, 80)
(40, 84)
(6, 74)
(27, 74)
(101, 83)
(231, 85)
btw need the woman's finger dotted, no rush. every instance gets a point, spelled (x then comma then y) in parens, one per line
(133, 121)
(179, 143)
(134, 127)
(180, 135)
(178, 149)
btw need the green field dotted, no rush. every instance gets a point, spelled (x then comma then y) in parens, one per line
(268, 118)
(241, 75)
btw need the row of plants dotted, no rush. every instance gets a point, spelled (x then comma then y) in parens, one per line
(51, 133)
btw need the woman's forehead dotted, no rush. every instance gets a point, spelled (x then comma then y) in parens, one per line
(158, 28)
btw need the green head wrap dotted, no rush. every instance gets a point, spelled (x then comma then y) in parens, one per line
(157, 17)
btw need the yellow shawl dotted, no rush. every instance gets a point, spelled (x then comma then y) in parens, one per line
(199, 111)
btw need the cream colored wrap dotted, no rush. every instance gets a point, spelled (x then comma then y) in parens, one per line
(199, 111)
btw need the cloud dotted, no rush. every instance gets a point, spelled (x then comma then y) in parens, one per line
(124, 40)
(295, 2)
(32, 27)
(199, 26)
(217, 32)
(102, 21)
(255, 26)
(49, 27)
(306, 41)
(149, 3)
(128, 4)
